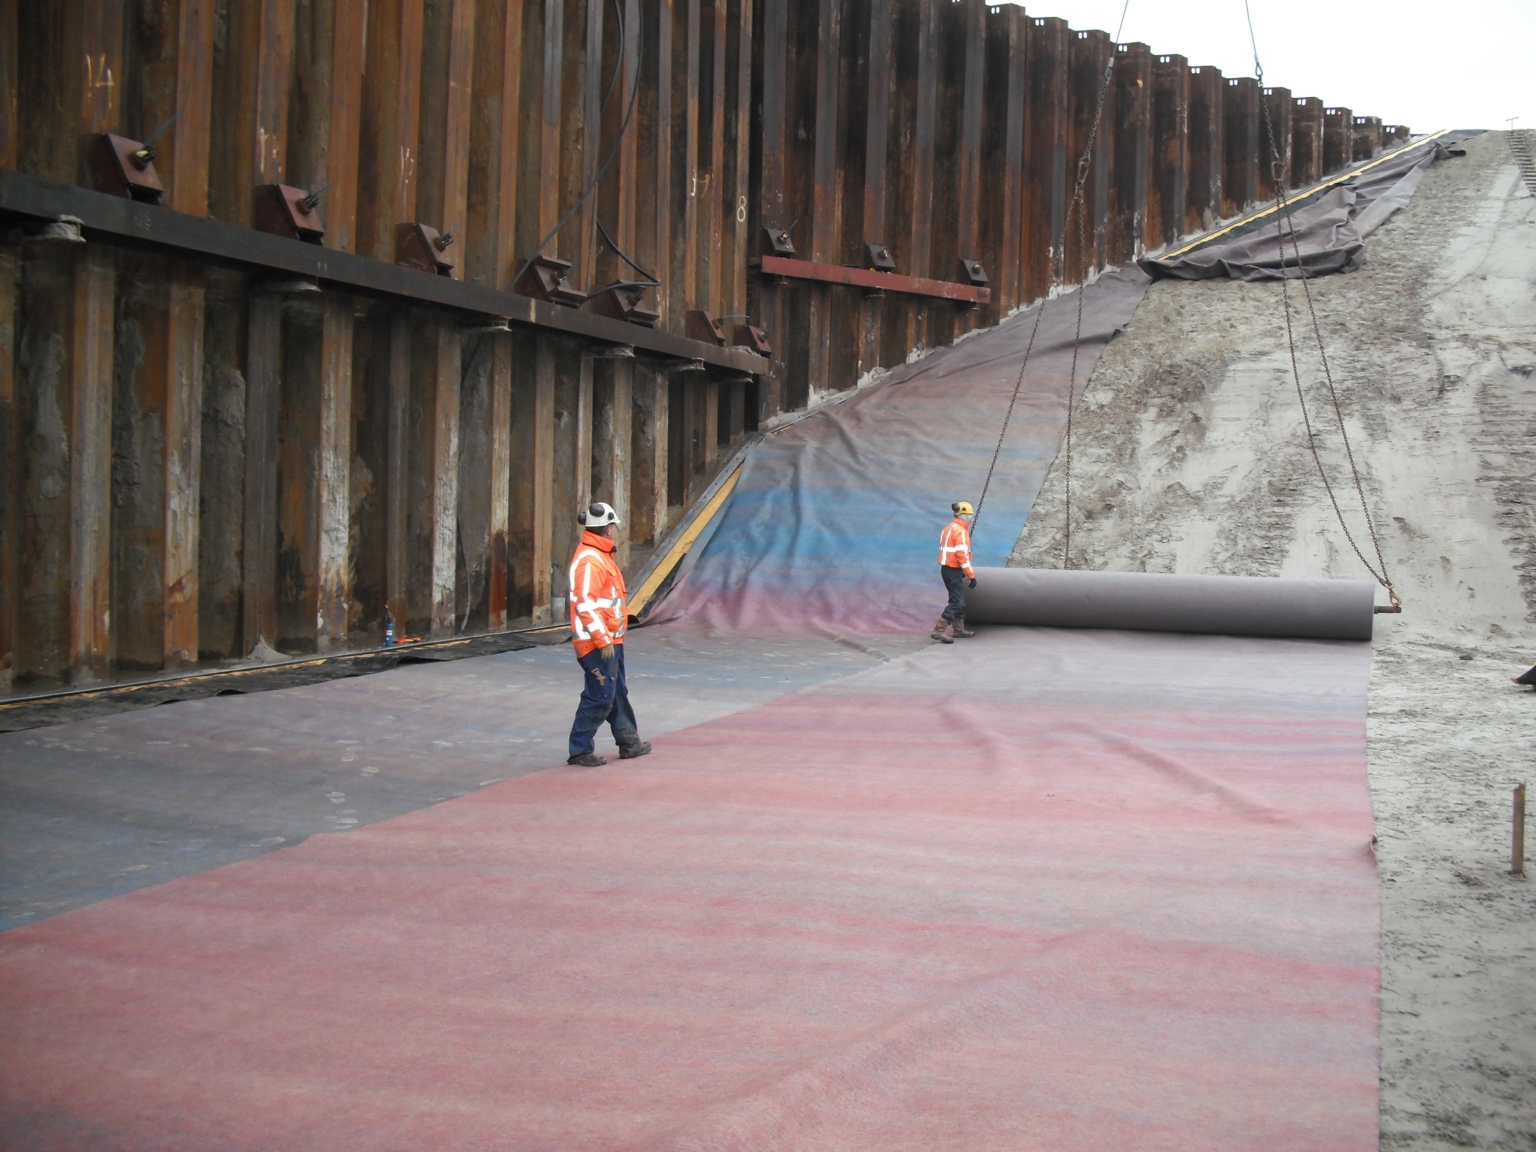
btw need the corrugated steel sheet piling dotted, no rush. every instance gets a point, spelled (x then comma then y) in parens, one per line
(293, 379)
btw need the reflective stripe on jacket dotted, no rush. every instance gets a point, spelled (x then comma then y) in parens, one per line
(596, 596)
(955, 547)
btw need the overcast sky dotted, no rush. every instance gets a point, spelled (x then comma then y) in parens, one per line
(1461, 64)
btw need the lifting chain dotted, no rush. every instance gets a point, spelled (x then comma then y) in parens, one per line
(1058, 274)
(1278, 167)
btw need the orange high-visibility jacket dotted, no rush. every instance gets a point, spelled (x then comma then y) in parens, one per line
(955, 547)
(597, 596)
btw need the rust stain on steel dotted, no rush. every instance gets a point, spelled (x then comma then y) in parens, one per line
(90, 456)
(1240, 180)
(490, 242)
(1207, 87)
(541, 415)
(1306, 141)
(876, 154)
(1047, 160)
(1091, 52)
(711, 216)
(771, 206)
(10, 36)
(177, 65)
(1338, 138)
(659, 253)
(387, 159)
(1007, 60)
(739, 143)
(251, 142)
(10, 266)
(396, 402)
(258, 608)
(826, 192)
(441, 441)
(968, 175)
(1169, 187)
(446, 101)
(686, 225)
(345, 126)
(1278, 101)
(586, 84)
(182, 463)
(905, 327)
(1133, 147)
(500, 520)
(334, 474)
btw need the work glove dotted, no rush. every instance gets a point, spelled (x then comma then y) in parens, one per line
(606, 652)
(973, 582)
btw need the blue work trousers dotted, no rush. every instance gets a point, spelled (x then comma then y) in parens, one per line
(954, 584)
(604, 696)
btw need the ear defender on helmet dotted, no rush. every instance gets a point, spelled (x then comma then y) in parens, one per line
(599, 515)
(962, 508)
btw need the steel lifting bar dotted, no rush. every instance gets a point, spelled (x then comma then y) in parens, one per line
(137, 223)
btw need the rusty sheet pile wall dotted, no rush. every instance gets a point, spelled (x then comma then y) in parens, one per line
(320, 313)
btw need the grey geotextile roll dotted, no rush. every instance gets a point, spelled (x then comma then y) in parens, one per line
(1158, 602)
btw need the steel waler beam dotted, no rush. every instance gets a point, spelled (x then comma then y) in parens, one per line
(873, 281)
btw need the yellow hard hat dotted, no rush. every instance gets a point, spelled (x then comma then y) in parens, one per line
(963, 508)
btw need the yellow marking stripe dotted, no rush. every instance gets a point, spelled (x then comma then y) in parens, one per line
(643, 594)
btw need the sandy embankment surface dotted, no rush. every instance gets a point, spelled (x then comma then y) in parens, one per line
(1190, 456)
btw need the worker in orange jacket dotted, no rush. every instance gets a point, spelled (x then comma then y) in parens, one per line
(599, 606)
(955, 568)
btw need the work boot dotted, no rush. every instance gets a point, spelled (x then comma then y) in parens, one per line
(587, 760)
(634, 748)
(940, 633)
(961, 631)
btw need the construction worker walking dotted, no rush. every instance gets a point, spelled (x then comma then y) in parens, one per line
(598, 601)
(955, 568)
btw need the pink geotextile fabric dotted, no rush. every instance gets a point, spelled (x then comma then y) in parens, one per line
(1038, 890)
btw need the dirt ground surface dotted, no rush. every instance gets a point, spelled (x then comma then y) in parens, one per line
(1190, 455)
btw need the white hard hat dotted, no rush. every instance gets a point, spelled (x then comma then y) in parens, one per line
(600, 515)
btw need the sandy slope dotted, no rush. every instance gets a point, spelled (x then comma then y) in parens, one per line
(1190, 456)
